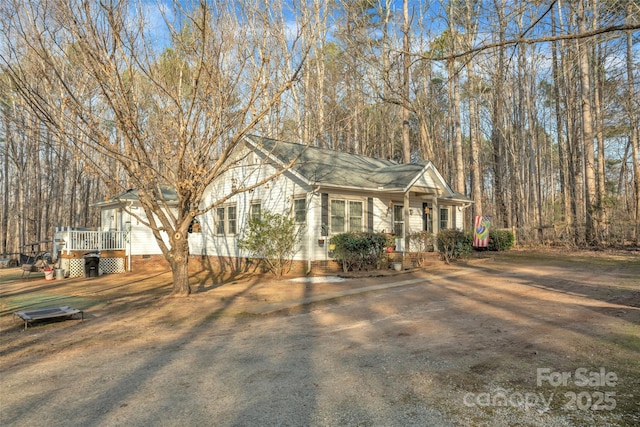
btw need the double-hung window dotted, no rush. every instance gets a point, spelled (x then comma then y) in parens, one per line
(356, 212)
(255, 210)
(226, 220)
(338, 213)
(444, 218)
(300, 209)
(220, 221)
(346, 215)
(232, 220)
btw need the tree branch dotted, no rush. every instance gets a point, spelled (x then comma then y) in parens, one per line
(523, 40)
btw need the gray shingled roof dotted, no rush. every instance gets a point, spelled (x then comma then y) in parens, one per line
(169, 195)
(328, 167)
(321, 166)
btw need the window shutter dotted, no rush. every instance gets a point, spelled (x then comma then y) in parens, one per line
(454, 223)
(324, 198)
(370, 214)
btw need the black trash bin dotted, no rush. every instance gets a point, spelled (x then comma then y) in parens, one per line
(91, 264)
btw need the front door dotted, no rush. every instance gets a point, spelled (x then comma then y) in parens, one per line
(427, 217)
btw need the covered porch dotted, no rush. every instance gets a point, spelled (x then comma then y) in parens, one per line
(423, 210)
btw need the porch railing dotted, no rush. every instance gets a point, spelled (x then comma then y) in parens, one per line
(68, 240)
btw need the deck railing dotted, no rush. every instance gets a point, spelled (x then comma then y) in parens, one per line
(68, 240)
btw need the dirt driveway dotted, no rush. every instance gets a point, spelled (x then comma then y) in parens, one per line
(522, 338)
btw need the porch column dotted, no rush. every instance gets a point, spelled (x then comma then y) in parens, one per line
(313, 232)
(435, 218)
(67, 239)
(406, 222)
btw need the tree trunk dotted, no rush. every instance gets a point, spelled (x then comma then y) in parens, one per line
(179, 261)
(319, 133)
(406, 143)
(476, 176)
(601, 160)
(4, 225)
(454, 96)
(560, 141)
(533, 184)
(633, 119)
(497, 126)
(458, 165)
(584, 68)
(180, 272)
(574, 171)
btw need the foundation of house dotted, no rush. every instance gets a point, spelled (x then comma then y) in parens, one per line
(226, 265)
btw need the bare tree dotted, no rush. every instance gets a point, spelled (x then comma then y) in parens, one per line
(633, 106)
(88, 87)
(587, 127)
(498, 125)
(454, 93)
(559, 123)
(406, 67)
(168, 113)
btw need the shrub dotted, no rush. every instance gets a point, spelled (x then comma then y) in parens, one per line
(500, 240)
(420, 242)
(454, 244)
(359, 251)
(273, 239)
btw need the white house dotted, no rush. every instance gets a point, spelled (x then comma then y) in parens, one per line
(328, 192)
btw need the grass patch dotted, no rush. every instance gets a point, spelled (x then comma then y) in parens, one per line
(42, 300)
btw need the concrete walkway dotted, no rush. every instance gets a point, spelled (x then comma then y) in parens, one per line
(287, 305)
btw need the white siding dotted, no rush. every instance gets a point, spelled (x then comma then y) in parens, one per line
(309, 246)
(108, 219)
(459, 217)
(275, 196)
(382, 216)
(426, 180)
(142, 240)
(415, 222)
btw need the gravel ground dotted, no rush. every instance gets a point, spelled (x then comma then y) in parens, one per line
(425, 353)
